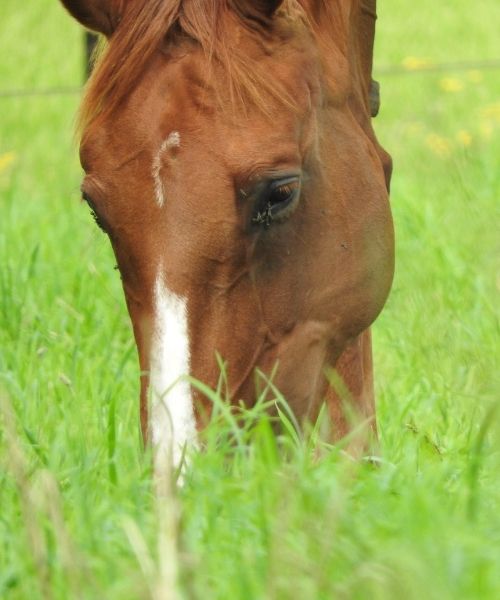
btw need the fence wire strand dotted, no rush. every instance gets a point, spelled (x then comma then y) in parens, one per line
(54, 91)
(423, 67)
(420, 68)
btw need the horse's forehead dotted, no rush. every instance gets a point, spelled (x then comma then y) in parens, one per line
(181, 91)
(276, 62)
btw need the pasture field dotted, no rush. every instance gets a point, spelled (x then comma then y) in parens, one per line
(256, 519)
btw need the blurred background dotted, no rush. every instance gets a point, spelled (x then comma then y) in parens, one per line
(67, 360)
(439, 69)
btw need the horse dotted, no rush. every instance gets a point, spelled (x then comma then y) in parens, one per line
(229, 155)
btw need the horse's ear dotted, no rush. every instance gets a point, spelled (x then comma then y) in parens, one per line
(256, 9)
(99, 15)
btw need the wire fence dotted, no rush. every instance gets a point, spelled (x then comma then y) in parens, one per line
(51, 91)
(410, 67)
(419, 67)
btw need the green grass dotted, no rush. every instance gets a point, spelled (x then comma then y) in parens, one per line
(256, 518)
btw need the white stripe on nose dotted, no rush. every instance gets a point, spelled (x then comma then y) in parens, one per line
(173, 424)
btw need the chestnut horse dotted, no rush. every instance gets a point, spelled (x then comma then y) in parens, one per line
(230, 157)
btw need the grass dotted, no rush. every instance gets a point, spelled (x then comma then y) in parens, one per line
(258, 517)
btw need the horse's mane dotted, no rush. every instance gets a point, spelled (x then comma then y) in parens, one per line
(145, 24)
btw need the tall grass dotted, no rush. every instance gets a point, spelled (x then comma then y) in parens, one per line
(259, 515)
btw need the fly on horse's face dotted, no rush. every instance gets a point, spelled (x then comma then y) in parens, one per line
(230, 158)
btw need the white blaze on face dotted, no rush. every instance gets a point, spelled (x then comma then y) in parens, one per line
(172, 141)
(172, 421)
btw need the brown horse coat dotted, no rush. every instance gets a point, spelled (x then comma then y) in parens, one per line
(230, 157)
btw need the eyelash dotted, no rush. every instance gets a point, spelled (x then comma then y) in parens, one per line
(86, 198)
(279, 195)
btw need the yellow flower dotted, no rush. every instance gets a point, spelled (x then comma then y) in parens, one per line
(412, 63)
(486, 130)
(475, 76)
(6, 159)
(492, 111)
(451, 84)
(464, 138)
(414, 128)
(438, 144)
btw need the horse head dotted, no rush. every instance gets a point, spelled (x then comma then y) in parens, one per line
(230, 158)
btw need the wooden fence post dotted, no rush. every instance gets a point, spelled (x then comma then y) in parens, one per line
(91, 40)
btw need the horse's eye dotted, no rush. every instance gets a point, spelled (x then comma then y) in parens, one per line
(99, 222)
(278, 201)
